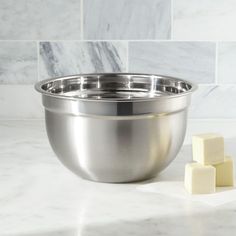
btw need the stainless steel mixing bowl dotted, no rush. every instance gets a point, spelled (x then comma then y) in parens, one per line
(116, 127)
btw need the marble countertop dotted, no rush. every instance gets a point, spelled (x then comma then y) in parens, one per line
(39, 197)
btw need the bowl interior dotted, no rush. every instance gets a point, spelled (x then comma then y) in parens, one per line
(116, 86)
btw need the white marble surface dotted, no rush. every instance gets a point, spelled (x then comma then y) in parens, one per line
(194, 61)
(204, 19)
(39, 197)
(127, 19)
(20, 102)
(67, 58)
(227, 62)
(40, 19)
(18, 62)
(211, 101)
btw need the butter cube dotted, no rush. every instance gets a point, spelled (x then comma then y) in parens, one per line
(199, 178)
(225, 173)
(208, 149)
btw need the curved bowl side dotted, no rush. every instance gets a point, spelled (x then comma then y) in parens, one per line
(116, 150)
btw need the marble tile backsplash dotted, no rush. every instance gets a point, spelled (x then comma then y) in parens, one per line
(193, 61)
(227, 62)
(127, 19)
(40, 19)
(20, 102)
(204, 19)
(190, 39)
(67, 58)
(214, 101)
(18, 62)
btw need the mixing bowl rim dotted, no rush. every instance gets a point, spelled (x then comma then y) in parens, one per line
(38, 87)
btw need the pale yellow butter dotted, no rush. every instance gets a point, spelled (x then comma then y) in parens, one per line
(208, 149)
(225, 173)
(199, 179)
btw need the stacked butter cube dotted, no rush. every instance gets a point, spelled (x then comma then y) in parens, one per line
(212, 168)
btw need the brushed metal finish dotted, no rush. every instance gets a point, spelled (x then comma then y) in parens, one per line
(116, 127)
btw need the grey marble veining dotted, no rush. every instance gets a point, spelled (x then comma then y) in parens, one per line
(67, 58)
(194, 61)
(204, 19)
(227, 62)
(39, 19)
(18, 62)
(39, 197)
(214, 101)
(127, 19)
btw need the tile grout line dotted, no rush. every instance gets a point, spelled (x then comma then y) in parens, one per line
(172, 20)
(111, 40)
(216, 64)
(81, 19)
